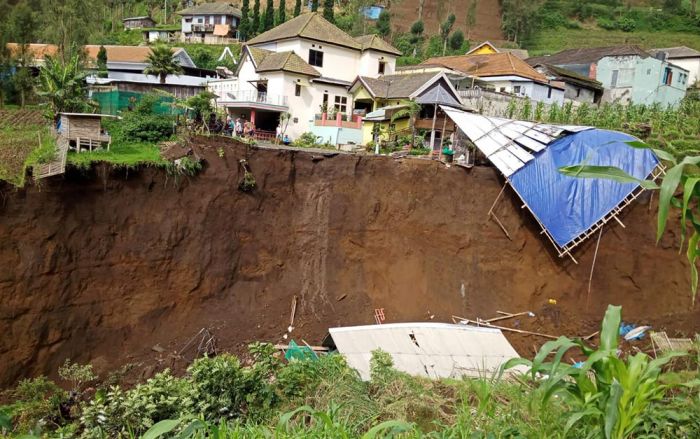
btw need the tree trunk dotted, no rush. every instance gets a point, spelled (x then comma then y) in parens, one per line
(420, 9)
(162, 79)
(21, 98)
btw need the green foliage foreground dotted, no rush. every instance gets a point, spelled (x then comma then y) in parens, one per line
(607, 395)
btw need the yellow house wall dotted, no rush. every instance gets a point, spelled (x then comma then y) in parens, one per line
(484, 50)
(368, 127)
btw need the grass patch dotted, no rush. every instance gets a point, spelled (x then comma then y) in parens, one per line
(548, 41)
(25, 141)
(123, 155)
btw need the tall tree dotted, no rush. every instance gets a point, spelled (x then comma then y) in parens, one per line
(471, 17)
(457, 40)
(282, 12)
(314, 5)
(269, 15)
(161, 63)
(328, 10)
(255, 24)
(102, 62)
(384, 23)
(4, 51)
(417, 29)
(244, 27)
(297, 8)
(63, 85)
(445, 30)
(69, 23)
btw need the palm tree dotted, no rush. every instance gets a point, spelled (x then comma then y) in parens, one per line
(63, 85)
(412, 110)
(161, 63)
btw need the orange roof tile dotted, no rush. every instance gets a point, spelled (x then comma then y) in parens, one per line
(494, 64)
(39, 51)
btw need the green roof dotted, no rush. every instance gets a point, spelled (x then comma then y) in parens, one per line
(374, 42)
(311, 26)
(211, 8)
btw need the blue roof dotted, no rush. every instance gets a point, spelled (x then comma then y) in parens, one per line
(569, 206)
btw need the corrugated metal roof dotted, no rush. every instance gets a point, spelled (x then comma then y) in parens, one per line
(434, 350)
(508, 144)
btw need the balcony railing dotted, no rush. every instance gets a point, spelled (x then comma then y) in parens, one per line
(202, 27)
(255, 96)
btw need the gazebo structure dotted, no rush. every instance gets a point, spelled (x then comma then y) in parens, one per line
(84, 130)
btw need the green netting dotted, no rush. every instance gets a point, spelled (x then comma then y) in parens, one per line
(296, 352)
(116, 101)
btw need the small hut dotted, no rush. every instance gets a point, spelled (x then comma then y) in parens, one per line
(84, 130)
(138, 22)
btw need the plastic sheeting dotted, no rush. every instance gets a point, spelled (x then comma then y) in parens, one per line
(569, 206)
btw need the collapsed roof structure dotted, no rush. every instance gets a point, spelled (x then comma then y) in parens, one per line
(433, 350)
(529, 155)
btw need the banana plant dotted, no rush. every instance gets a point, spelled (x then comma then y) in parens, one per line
(611, 394)
(683, 173)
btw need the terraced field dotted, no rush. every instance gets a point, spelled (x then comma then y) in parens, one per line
(24, 140)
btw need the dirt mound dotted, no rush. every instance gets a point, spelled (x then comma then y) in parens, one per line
(109, 268)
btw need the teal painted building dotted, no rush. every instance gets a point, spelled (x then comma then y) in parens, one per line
(638, 80)
(627, 73)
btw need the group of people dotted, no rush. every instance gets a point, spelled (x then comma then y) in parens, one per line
(239, 128)
(243, 128)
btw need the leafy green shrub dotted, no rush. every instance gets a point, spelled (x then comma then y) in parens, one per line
(115, 412)
(626, 24)
(606, 23)
(153, 128)
(76, 374)
(37, 404)
(306, 140)
(419, 151)
(223, 389)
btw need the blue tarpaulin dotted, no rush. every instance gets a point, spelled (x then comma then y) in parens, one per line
(569, 206)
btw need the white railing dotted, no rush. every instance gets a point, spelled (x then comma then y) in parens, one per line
(254, 96)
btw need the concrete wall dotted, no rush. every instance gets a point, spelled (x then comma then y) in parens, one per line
(636, 80)
(338, 62)
(580, 94)
(527, 89)
(336, 135)
(692, 65)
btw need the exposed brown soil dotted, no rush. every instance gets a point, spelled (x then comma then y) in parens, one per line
(488, 17)
(100, 266)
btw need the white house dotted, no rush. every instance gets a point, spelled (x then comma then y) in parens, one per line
(503, 73)
(304, 67)
(683, 57)
(210, 23)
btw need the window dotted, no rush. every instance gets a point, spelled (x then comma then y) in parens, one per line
(578, 92)
(325, 97)
(549, 92)
(297, 90)
(516, 89)
(668, 76)
(648, 72)
(613, 82)
(315, 58)
(382, 67)
(341, 104)
(503, 90)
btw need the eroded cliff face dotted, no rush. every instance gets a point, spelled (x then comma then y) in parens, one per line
(101, 266)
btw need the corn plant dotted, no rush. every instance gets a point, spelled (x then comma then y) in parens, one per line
(681, 173)
(611, 394)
